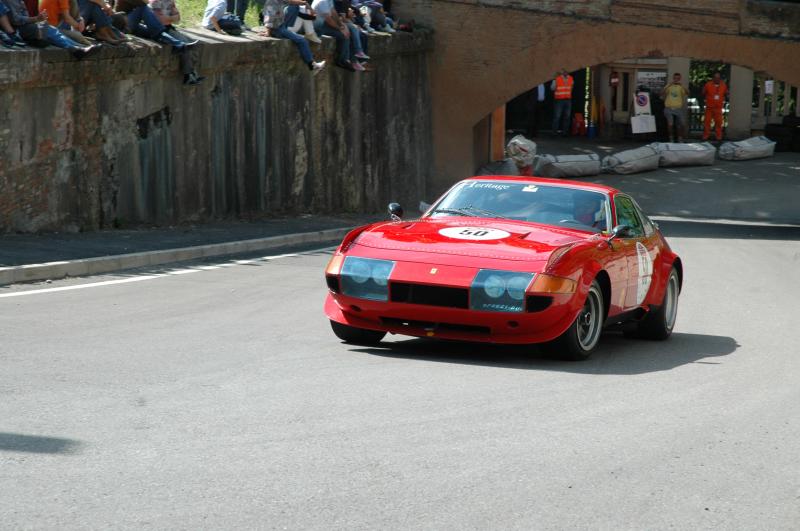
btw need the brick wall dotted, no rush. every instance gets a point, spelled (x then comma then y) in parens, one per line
(488, 51)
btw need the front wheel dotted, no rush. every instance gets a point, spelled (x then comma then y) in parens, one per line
(583, 335)
(658, 324)
(357, 336)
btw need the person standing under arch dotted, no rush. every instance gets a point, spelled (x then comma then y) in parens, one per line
(562, 109)
(714, 92)
(674, 96)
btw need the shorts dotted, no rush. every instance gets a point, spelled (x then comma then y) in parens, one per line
(678, 114)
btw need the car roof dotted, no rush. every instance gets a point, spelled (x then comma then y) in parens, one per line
(544, 180)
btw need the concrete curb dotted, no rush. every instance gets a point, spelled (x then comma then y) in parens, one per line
(108, 264)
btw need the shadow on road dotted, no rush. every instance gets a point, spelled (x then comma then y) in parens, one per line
(615, 355)
(695, 229)
(15, 442)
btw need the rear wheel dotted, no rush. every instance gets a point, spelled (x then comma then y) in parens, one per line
(658, 324)
(583, 335)
(357, 336)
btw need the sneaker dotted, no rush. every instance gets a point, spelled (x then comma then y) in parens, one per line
(361, 55)
(6, 39)
(18, 40)
(316, 67)
(192, 79)
(82, 53)
(312, 37)
(388, 29)
(358, 66)
(347, 66)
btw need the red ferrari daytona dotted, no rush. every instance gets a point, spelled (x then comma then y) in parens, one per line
(510, 260)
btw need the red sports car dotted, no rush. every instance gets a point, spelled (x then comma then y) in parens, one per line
(510, 260)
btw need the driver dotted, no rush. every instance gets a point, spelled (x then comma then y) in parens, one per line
(588, 209)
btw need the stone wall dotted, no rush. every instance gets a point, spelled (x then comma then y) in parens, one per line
(116, 139)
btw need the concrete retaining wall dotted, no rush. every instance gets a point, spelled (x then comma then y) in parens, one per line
(117, 139)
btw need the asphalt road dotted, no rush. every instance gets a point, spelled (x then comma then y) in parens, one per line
(218, 398)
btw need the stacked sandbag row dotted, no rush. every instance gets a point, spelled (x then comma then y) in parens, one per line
(757, 147)
(650, 157)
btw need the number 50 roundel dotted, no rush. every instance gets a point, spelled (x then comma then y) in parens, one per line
(474, 233)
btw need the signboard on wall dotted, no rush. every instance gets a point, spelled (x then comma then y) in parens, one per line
(653, 80)
(641, 103)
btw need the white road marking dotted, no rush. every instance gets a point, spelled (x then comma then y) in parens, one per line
(184, 271)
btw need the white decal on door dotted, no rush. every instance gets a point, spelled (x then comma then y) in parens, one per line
(645, 272)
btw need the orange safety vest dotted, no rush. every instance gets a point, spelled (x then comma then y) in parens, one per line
(715, 94)
(564, 87)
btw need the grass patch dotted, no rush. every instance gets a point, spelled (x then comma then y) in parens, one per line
(192, 12)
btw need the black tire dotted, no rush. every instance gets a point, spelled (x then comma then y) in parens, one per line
(658, 324)
(583, 335)
(357, 336)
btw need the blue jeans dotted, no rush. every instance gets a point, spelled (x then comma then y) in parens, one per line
(342, 44)
(143, 23)
(92, 14)
(561, 112)
(302, 44)
(58, 39)
(355, 39)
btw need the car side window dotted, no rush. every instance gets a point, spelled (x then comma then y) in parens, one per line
(649, 227)
(626, 215)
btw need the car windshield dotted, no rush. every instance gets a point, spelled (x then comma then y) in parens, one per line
(547, 204)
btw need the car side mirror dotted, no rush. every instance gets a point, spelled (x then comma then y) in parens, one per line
(620, 231)
(395, 211)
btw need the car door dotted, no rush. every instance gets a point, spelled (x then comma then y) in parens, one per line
(634, 244)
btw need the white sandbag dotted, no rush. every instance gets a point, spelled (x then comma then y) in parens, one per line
(698, 154)
(637, 160)
(567, 165)
(753, 148)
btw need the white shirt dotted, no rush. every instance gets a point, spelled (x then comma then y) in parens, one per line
(216, 9)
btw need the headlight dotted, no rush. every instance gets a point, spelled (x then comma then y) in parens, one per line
(366, 278)
(499, 291)
(494, 286)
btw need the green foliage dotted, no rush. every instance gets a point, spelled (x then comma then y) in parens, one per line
(701, 71)
(192, 12)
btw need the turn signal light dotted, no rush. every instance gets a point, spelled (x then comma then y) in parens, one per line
(550, 284)
(335, 265)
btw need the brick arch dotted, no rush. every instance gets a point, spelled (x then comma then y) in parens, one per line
(485, 56)
(537, 66)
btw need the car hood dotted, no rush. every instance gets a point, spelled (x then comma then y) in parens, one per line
(471, 237)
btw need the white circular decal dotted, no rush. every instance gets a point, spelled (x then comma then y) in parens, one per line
(645, 272)
(474, 233)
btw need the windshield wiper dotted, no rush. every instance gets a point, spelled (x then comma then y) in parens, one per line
(483, 211)
(456, 211)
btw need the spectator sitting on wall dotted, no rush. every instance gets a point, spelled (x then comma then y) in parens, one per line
(358, 38)
(329, 23)
(304, 23)
(143, 23)
(167, 13)
(8, 35)
(35, 30)
(379, 18)
(61, 16)
(278, 27)
(97, 14)
(217, 18)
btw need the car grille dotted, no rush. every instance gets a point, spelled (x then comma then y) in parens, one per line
(429, 295)
(538, 303)
(431, 326)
